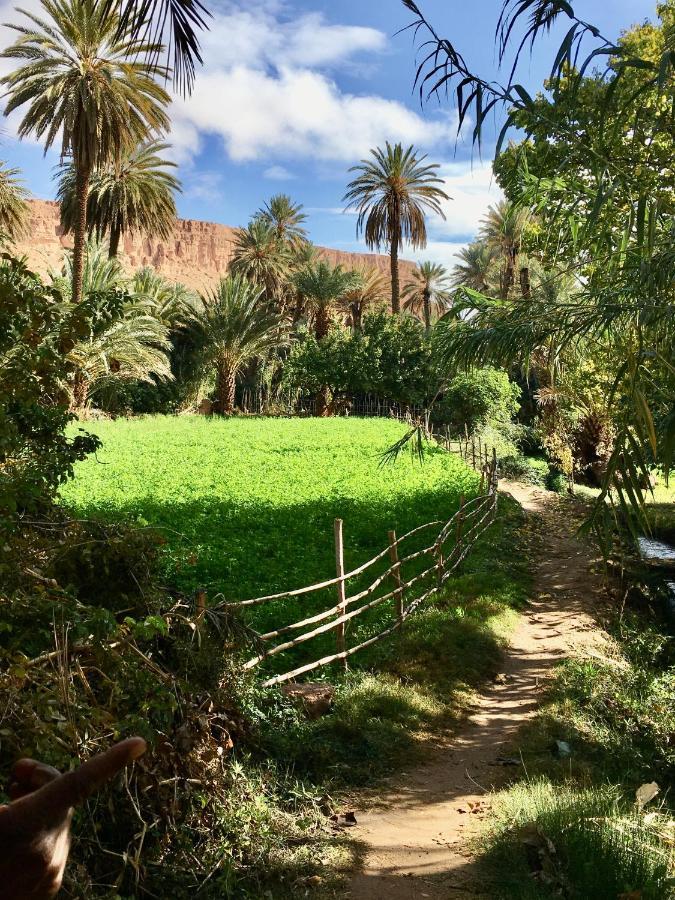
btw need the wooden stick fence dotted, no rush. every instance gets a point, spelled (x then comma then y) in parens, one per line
(448, 550)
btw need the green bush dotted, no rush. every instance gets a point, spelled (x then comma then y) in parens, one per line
(524, 468)
(37, 330)
(478, 398)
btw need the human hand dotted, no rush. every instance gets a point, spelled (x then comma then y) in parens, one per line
(35, 826)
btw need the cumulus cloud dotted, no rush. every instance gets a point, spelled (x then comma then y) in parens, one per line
(472, 189)
(267, 91)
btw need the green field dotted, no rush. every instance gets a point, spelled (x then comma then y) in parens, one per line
(247, 505)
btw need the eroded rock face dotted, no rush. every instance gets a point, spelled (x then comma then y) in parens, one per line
(197, 254)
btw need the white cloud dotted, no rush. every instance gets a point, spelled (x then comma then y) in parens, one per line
(266, 91)
(472, 189)
(298, 113)
(278, 173)
(203, 185)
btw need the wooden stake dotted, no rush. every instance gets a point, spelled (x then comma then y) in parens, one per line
(473, 452)
(396, 575)
(341, 604)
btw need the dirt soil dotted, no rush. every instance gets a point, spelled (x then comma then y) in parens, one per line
(414, 836)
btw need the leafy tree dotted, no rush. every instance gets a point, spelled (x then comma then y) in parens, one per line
(370, 289)
(234, 327)
(36, 332)
(13, 206)
(91, 86)
(428, 292)
(391, 194)
(478, 398)
(599, 179)
(400, 361)
(262, 257)
(286, 218)
(134, 193)
(335, 364)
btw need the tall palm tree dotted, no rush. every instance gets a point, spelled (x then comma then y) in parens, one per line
(429, 291)
(286, 219)
(371, 288)
(134, 193)
(475, 268)
(502, 230)
(391, 194)
(234, 327)
(323, 286)
(95, 88)
(13, 206)
(261, 257)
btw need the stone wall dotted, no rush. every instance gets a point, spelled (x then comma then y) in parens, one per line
(197, 254)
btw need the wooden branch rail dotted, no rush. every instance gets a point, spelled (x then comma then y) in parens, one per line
(463, 529)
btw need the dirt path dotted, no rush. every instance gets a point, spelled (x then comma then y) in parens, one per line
(414, 839)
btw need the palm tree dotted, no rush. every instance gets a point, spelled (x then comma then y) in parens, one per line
(391, 194)
(502, 230)
(286, 219)
(371, 288)
(181, 19)
(95, 88)
(234, 327)
(430, 287)
(134, 193)
(323, 286)
(261, 257)
(174, 304)
(13, 206)
(475, 268)
(133, 346)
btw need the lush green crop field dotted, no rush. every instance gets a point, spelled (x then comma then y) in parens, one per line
(247, 505)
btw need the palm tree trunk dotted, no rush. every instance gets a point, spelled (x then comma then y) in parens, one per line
(80, 390)
(395, 285)
(321, 322)
(426, 299)
(525, 288)
(226, 380)
(357, 316)
(80, 236)
(114, 243)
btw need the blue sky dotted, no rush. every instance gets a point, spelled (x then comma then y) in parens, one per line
(293, 92)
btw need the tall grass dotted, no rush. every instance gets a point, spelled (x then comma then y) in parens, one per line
(555, 840)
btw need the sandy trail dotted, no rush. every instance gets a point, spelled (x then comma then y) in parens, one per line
(414, 838)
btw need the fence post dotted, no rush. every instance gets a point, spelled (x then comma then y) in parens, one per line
(396, 575)
(341, 604)
(473, 452)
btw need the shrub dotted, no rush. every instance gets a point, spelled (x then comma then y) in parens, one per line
(478, 398)
(37, 330)
(525, 468)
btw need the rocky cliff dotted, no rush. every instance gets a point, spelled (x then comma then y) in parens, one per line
(197, 253)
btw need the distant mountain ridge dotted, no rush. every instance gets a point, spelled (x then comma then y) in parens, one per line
(197, 254)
